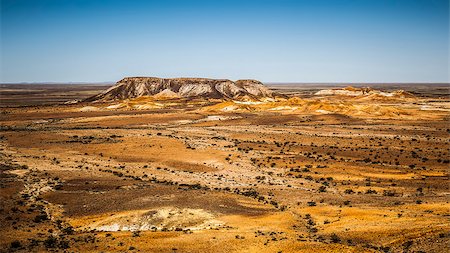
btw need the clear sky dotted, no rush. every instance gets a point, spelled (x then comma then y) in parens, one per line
(278, 40)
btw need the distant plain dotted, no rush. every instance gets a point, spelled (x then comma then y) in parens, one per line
(307, 173)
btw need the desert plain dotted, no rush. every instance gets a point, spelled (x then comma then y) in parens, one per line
(309, 171)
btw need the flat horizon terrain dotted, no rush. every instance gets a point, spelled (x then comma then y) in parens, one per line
(28, 94)
(303, 173)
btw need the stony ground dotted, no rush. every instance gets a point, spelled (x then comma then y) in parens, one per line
(185, 180)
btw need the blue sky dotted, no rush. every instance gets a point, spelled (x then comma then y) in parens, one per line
(272, 41)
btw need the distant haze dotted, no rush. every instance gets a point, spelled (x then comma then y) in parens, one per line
(375, 41)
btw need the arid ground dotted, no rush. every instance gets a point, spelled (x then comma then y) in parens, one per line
(306, 173)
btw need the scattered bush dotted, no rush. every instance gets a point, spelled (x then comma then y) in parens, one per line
(51, 242)
(311, 203)
(335, 238)
(15, 245)
(389, 193)
(349, 191)
(41, 217)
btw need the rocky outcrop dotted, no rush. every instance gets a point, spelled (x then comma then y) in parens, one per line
(347, 91)
(364, 92)
(133, 87)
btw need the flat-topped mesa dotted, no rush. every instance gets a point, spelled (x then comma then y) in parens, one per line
(133, 87)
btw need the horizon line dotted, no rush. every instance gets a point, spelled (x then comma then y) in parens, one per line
(265, 82)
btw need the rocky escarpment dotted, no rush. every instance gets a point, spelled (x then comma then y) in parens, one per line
(133, 87)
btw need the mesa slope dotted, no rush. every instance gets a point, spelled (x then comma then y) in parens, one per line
(133, 87)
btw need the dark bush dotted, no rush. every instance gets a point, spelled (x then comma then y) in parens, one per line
(16, 245)
(322, 189)
(51, 242)
(40, 218)
(311, 203)
(68, 230)
(335, 238)
(389, 193)
(349, 191)
(370, 191)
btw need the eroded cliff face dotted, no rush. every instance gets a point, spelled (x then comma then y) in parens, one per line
(133, 87)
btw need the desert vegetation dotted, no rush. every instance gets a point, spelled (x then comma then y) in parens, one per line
(189, 176)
